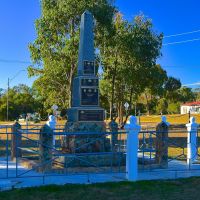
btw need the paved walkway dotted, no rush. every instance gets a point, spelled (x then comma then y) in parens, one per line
(176, 169)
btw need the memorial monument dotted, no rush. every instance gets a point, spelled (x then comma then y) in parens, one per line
(85, 93)
(85, 114)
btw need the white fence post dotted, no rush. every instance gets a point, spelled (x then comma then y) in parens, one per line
(132, 129)
(192, 150)
(52, 124)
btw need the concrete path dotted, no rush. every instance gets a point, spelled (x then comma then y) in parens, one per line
(8, 180)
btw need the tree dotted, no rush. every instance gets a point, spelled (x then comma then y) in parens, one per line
(105, 97)
(162, 105)
(128, 51)
(55, 51)
(171, 87)
(129, 54)
(174, 108)
(21, 101)
(111, 53)
(155, 86)
(1, 91)
(197, 93)
(186, 94)
(172, 84)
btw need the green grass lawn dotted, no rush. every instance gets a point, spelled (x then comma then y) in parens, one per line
(155, 190)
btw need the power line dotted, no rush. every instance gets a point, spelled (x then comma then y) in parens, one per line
(179, 34)
(23, 70)
(181, 42)
(179, 66)
(14, 61)
(192, 84)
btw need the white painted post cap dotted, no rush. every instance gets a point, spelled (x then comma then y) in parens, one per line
(132, 124)
(52, 122)
(192, 126)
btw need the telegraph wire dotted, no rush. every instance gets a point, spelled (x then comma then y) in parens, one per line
(180, 34)
(192, 84)
(179, 66)
(181, 42)
(14, 61)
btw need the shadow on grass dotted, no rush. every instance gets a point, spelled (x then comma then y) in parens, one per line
(155, 190)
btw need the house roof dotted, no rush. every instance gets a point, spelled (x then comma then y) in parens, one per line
(194, 103)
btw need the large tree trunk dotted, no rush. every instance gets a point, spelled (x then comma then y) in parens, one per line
(131, 99)
(71, 83)
(118, 112)
(73, 63)
(146, 96)
(110, 110)
(113, 86)
(112, 95)
(130, 107)
(121, 115)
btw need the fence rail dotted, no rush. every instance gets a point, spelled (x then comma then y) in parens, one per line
(29, 151)
(34, 155)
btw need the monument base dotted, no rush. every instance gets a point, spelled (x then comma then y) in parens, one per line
(117, 159)
(85, 143)
(90, 127)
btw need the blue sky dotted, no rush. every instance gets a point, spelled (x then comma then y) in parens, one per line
(169, 16)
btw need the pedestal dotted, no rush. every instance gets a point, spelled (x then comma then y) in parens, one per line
(88, 142)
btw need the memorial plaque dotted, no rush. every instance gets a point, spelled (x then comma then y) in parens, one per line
(91, 115)
(89, 96)
(90, 82)
(89, 67)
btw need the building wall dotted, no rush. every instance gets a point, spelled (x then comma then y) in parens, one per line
(185, 109)
(192, 109)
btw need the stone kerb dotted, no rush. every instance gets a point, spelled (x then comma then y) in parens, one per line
(192, 148)
(133, 130)
(161, 157)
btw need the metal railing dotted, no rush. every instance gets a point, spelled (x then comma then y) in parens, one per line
(108, 157)
(84, 158)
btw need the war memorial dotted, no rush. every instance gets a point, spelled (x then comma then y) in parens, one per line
(85, 114)
(86, 144)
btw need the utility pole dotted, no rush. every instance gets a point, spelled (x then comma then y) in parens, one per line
(135, 109)
(9, 80)
(189, 115)
(8, 99)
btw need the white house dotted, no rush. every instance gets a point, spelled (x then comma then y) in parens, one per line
(193, 107)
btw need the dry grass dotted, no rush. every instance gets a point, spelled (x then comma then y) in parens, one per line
(173, 119)
(146, 121)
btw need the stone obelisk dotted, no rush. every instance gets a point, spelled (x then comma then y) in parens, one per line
(86, 45)
(85, 114)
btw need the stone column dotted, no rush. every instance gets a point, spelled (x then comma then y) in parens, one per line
(192, 148)
(133, 130)
(114, 136)
(162, 143)
(16, 141)
(45, 148)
